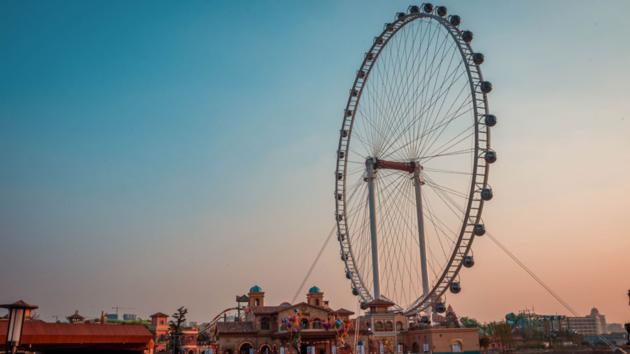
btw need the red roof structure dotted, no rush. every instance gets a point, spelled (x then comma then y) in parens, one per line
(63, 337)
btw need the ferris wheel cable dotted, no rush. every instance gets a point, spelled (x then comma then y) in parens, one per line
(531, 273)
(312, 267)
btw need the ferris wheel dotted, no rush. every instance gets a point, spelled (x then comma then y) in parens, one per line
(413, 161)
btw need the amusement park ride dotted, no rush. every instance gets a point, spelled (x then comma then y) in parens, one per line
(413, 161)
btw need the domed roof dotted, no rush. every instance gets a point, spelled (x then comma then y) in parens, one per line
(314, 290)
(255, 289)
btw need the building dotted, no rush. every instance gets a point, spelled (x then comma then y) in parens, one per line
(75, 337)
(313, 327)
(306, 327)
(159, 328)
(592, 325)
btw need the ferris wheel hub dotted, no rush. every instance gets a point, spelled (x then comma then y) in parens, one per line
(405, 166)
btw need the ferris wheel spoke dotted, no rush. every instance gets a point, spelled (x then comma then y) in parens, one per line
(396, 116)
(431, 101)
(393, 124)
(418, 118)
(438, 170)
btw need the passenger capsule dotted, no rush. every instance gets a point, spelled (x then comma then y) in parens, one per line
(490, 156)
(490, 120)
(455, 287)
(467, 36)
(401, 15)
(339, 196)
(339, 176)
(339, 217)
(344, 257)
(479, 230)
(361, 74)
(414, 9)
(378, 40)
(355, 291)
(486, 193)
(455, 20)
(389, 27)
(341, 237)
(478, 58)
(468, 261)
(425, 319)
(369, 56)
(348, 275)
(441, 11)
(354, 92)
(486, 86)
(341, 154)
(427, 7)
(440, 307)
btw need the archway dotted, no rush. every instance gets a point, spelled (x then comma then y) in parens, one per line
(246, 348)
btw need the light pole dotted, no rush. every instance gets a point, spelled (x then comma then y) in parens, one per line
(17, 313)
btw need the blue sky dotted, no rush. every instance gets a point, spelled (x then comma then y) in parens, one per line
(147, 146)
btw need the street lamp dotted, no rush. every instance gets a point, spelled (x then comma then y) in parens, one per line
(17, 312)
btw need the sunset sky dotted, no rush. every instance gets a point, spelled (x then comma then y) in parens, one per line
(158, 154)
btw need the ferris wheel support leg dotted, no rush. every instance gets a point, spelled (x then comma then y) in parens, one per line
(423, 249)
(369, 164)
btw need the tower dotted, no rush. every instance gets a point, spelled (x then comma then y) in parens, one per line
(256, 296)
(315, 297)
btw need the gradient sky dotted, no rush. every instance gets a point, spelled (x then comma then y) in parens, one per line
(158, 154)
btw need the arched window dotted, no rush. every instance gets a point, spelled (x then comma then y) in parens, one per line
(304, 323)
(265, 349)
(257, 302)
(265, 323)
(456, 347)
(378, 326)
(317, 323)
(415, 348)
(399, 326)
(389, 326)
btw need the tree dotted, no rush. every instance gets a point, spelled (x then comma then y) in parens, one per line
(468, 322)
(503, 333)
(484, 342)
(175, 329)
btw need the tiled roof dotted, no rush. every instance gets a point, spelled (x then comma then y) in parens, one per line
(159, 314)
(343, 311)
(235, 327)
(40, 332)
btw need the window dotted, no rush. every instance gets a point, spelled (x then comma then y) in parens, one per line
(317, 323)
(257, 302)
(456, 347)
(265, 323)
(378, 326)
(317, 302)
(304, 323)
(399, 326)
(389, 326)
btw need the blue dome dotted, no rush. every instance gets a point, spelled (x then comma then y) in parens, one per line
(313, 290)
(255, 289)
